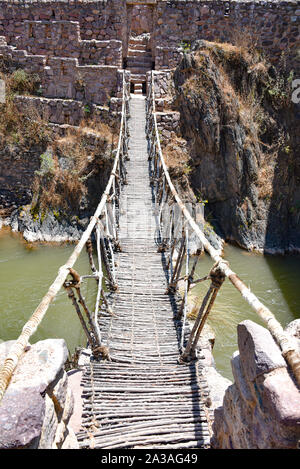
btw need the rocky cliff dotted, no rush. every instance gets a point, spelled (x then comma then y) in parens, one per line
(240, 125)
(261, 408)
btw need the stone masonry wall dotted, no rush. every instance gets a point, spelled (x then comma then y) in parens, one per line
(275, 24)
(38, 403)
(63, 77)
(63, 111)
(98, 19)
(261, 410)
(62, 39)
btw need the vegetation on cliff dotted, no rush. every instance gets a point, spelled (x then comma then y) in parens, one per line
(239, 125)
(48, 170)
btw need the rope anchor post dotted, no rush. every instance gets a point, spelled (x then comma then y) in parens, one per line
(91, 331)
(217, 278)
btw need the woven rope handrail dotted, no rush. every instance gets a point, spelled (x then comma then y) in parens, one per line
(31, 325)
(284, 340)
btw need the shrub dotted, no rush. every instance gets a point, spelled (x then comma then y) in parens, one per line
(22, 83)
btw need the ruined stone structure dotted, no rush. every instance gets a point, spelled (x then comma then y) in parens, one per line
(83, 45)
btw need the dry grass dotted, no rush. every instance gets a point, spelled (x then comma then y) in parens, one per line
(61, 192)
(26, 128)
(175, 153)
(62, 188)
(100, 129)
(55, 186)
(246, 40)
(20, 82)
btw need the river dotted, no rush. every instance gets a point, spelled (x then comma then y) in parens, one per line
(275, 280)
(26, 271)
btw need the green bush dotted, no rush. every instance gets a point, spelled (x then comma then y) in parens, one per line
(47, 167)
(21, 82)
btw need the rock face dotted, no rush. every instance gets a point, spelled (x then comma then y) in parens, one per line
(48, 228)
(18, 174)
(242, 140)
(37, 406)
(262, 408)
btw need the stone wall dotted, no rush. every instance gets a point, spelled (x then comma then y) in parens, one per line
(274, 24)
(62, 39)
(171, 23)
(63, 77)
(63, 111)
(37, 406)
(98, 19)
(167, 57)
(262, 408)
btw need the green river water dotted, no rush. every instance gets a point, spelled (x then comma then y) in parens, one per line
(27, 271)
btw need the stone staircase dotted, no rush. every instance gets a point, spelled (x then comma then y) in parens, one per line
(139, 61)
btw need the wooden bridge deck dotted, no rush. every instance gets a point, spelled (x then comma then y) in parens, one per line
(143, 398)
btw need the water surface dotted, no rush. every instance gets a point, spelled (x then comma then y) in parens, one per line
(275, 280)
(26, 272)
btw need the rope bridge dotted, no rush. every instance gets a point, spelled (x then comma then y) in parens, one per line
(143, 384)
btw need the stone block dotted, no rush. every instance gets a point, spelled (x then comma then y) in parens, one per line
(293, 329)
(240, 380)
(50, 424)
(258, 351)
(281, 398)
(68, 407)
(39, 366)
(25, 415)
(70, 441)
(21, 417)
(58, 391)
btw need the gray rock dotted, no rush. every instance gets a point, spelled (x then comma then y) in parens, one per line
(239, 378)
(258, 351)
(50, 425)
(58, 391)
(293, 328)
(40, 365)
(37, 398)
(281, 399)
(21, 416)
(217, 385)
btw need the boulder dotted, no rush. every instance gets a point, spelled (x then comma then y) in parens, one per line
(258, 351)
(37, 404)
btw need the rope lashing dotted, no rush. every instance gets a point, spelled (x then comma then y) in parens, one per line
(217, 276)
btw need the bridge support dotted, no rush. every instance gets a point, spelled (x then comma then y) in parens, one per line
(217, 278)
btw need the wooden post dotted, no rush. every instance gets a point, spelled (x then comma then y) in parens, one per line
(189, 279)
(105, 260)
(217, 278)
(77, 308)
(89, 248)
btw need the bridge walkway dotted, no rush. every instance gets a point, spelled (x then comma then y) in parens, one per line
(142, 398)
